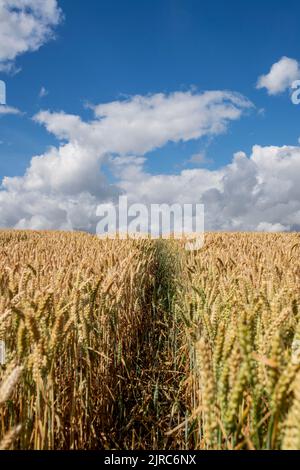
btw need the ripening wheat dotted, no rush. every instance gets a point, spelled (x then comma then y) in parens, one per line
(241, 311)
(73, 311)
(139, 344)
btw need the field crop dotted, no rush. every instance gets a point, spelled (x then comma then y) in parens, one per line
(241, 313)
(139, 344)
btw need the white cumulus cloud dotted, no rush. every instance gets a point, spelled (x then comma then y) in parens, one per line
(260, 192)
(25, 25)
(62, 187)
(280, 77)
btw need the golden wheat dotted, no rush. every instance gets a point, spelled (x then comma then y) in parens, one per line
(140, 344)
(243, 294)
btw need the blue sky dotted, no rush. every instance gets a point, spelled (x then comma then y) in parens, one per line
(107, 50)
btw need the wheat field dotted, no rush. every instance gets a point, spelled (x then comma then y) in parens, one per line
(139, 344)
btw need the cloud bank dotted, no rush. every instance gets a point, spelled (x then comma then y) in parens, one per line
(62, 188)
(260, 192)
